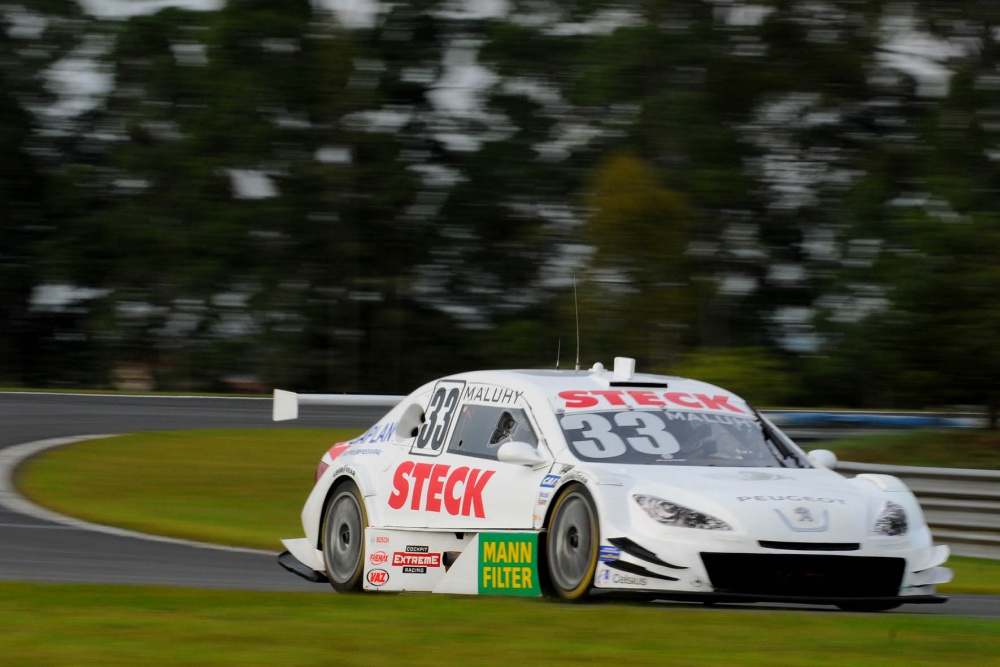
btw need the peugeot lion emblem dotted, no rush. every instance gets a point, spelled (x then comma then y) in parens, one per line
(803, 520)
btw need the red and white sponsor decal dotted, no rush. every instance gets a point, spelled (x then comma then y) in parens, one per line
(378, 577)
(400, 559)
(578, 399)
(378, 558)
(437, 487)
(338, 449)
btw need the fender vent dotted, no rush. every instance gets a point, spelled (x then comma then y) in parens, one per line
(639, 570)
(641, 552)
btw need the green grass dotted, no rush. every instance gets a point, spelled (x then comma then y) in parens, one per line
(235, 487)
(131, 625)
(942, 448)
(973, 575)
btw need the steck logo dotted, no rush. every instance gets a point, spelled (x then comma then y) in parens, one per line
(378, 558)
(378, 577)
(437, 487)
(620, 398)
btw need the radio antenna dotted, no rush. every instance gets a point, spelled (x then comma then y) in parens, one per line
(558, 351)
(576, 309)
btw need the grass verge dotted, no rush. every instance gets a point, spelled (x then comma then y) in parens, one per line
(128, 625)
(941, 448)
(239, 487)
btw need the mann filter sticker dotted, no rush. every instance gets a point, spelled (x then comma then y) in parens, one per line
(508, 564)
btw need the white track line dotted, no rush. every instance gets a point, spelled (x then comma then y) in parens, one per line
(11, 457)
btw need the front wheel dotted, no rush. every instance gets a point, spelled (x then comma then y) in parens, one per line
(572, 544)
(344, 538)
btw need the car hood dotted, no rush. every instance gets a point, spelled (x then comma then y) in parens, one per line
(774, 504)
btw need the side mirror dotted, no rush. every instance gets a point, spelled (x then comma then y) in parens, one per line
(520, 453)
(822, 458)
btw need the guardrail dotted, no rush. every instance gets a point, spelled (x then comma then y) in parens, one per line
(961, 506)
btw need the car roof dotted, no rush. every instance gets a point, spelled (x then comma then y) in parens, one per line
(552, 387)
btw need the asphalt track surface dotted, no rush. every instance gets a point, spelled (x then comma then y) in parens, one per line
(39, 550)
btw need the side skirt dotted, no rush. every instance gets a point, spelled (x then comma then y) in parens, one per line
(292, 564)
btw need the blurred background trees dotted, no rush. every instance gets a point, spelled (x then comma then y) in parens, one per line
(793, 198)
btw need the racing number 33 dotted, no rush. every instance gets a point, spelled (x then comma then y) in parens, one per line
(440, 412)
(601, 441)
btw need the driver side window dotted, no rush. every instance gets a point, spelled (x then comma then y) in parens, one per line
(480, 430)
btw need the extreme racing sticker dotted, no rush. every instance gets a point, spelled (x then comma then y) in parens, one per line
(508, 564)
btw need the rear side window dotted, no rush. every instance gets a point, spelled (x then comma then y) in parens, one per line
(481, 429)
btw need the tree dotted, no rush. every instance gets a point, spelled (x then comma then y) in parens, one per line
(639, 295)
(226, 159)
(32, 40)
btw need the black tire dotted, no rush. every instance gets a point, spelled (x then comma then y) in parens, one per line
(344, 538)
(572, 544)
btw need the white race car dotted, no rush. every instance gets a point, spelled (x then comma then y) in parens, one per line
(520, 482)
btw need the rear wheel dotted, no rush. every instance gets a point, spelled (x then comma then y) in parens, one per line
(344, 538)
(572, 544)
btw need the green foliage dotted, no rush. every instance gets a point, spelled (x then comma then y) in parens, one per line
(638, 298)
(753, 373)
(716, 176)
(25, 187)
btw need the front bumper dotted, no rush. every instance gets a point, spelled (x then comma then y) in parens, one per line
(712, 569)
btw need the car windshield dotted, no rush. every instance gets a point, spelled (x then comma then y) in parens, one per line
(676, 438)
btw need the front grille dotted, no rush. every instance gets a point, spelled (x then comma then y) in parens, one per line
(810, 546)
(804, 575)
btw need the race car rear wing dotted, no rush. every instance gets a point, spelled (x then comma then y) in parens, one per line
(286, 403)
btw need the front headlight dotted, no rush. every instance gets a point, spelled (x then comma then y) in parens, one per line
(891, 520)
(672, 514)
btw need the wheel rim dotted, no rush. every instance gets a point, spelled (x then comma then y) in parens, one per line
(571, 543)
(344, 538)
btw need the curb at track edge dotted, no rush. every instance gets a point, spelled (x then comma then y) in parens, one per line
(10, 499)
